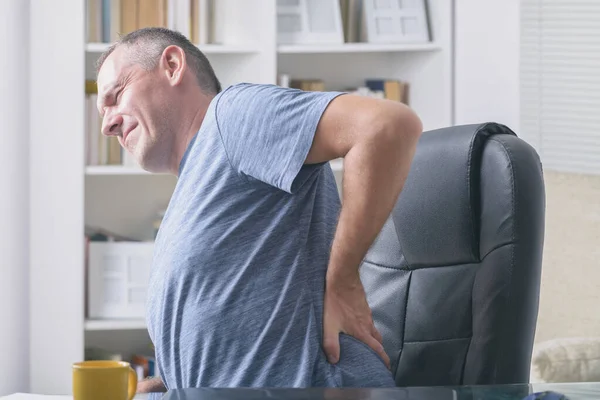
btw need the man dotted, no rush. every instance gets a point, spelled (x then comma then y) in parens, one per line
(255, 276)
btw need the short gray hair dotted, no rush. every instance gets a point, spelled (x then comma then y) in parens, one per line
(147, 45)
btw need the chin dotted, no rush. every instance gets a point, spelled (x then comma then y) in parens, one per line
(147, 166)
(152, 164)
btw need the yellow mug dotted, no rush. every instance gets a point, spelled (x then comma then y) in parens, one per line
(104, 380)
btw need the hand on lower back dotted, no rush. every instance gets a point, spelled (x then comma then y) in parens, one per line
(346, 310)
(151, 385)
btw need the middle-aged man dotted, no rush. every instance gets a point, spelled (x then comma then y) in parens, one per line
(255, 279)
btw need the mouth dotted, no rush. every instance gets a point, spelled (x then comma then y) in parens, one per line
(127, 132)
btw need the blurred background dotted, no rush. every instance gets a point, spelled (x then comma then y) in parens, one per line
(79, 216)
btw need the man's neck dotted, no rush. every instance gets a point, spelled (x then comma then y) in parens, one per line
(189, 130)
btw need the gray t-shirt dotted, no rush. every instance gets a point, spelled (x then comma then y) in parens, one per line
(237, 283)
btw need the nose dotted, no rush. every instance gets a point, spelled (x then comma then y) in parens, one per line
(112, 125)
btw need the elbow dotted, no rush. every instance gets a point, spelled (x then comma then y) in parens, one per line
(391, 130)
(408, 124)
(403, 128)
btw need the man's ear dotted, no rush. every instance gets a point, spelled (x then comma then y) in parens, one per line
(173, 63)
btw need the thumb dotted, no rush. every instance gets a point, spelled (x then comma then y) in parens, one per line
(331, 343)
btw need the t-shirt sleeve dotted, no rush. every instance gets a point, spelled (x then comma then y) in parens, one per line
(267, 130)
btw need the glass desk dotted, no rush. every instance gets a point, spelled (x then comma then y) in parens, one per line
(571, 391)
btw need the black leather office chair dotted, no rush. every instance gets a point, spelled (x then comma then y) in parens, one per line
(453, 278)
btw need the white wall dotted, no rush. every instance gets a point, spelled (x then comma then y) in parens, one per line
(14, 196)
(487, 61)
(57, 76)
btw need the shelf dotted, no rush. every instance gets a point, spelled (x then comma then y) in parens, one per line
(207, 49)
(357, 48)
(114, 170)
(227, 49)
(101, 170)
(114, 324)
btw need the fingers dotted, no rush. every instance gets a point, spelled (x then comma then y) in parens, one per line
(331, 344)
(376, 334)
(376, 345)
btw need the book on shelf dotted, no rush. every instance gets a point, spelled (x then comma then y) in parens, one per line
(314, 85)
(353, 24)
(98, 234)
(145, 366)
(107, 20)
(310, 85)
(391, 89)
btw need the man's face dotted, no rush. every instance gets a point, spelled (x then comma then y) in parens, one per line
(135, 108)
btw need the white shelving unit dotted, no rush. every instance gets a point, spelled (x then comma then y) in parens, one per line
(357, 48)
(114, 324)
(114, 170)
(126, 199)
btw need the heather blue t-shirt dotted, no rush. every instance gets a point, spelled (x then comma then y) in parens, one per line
(237, 283)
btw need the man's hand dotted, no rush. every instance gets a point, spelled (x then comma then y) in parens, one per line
(346, 310)
(151, 385)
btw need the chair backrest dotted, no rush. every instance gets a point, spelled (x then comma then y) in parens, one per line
(453, 277)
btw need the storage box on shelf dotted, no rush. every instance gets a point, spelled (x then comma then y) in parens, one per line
(118, 273)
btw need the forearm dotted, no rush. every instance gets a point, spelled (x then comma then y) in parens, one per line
(151, 385)
(374, 174)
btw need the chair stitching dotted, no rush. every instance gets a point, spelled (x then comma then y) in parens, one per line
(439, 266)
(440, 340)
(404, 326)
(512, 253)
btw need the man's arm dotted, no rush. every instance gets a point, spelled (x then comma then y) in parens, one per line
(377, 139)
(151, 385)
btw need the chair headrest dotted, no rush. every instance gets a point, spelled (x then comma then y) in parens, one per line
(437, 215)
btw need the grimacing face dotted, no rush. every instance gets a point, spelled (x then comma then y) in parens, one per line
(135, 106)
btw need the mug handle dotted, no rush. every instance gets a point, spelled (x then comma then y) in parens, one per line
(133, 381)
